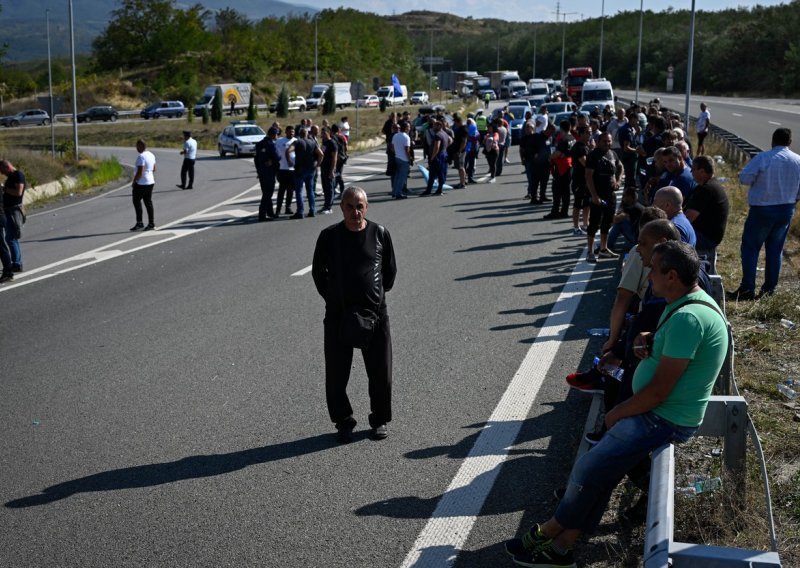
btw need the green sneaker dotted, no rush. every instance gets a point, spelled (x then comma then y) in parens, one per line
(546, 557)
(529, 543)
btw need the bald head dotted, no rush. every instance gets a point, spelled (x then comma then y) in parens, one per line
(670, 200)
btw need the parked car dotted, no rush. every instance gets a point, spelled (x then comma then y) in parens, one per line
(33, 116)
(419, 98)
(104, 113)
(590, 106)
(166, 109)
(240, 137)
(553, 108)
(559, 116)
(516, 123)
(295, 103)
(368, 101)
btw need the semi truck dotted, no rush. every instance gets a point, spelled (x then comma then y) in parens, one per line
(501, 79)
(387, 92)
(236, 93)
(573, 82)
(480, 85)
(449, 80)
(341, 91)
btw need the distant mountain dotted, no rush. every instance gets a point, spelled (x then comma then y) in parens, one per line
(24, 28)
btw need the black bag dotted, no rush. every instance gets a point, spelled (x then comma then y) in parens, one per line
(357, 327)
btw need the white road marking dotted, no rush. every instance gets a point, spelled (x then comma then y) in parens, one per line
(113, 250)
(303, 271)
(736, 114)
(237, 213)
(451, 522)
(775, 123)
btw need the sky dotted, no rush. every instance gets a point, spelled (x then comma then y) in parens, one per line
(534, 10)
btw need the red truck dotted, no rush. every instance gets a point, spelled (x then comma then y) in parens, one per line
(574, 80)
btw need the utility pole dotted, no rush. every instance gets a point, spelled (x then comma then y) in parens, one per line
(466, 68)
(74, 85)
(563, 33)
(689, 72)
(50, 83)
(602, 21)
(533, 71)
(639, 56)
(498, 56)
(430, 68)
(316, 49)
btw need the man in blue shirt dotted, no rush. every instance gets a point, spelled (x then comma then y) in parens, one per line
(677, 173)
(670, 201)
(774, 180)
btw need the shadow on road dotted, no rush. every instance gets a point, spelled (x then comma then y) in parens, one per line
(186, 468)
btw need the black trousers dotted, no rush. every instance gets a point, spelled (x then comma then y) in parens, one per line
(267, 181)
(541, 175)
(377, 362)
(143, 193)
(285, 187)
(187, 168)
(561, 192)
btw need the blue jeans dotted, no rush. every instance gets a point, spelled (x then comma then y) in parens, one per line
(305, 179)
(767, 226)
(624, 228)
(13, 222)
(401, 169)
(595, 475)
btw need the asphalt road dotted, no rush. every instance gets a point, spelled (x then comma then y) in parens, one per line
(162, 394)
(753, 119)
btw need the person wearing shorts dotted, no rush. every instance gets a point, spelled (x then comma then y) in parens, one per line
(603, 174)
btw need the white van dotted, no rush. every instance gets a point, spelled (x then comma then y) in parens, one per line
(598, 92)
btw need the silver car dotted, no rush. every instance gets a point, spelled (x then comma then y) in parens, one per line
(33, 116)
(240, 137)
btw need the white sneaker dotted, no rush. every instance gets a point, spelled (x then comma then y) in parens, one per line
(491, 180)
(577, 232)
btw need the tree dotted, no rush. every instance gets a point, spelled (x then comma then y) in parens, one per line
(283, 103)
(216, 108)
(252, 110)
(329, 106)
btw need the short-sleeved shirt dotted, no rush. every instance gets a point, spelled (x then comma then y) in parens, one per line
(329, 148)
(702, 121)
(401, 141)
(634, 212)
(459, 136)
(190, 149)
(604, 164)
(281, 146)
(625, 134)
(685, 229)
(13, 179)
(634, 274)
(542, 148)
(148, 162)
(694, 332)
(711, 201)
(579, 150)
(502, 132)
(305, 155)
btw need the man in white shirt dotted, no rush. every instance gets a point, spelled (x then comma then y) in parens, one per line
(143, 182)
(286, 172)
(401, 143)
(702, 126)
(189, 154)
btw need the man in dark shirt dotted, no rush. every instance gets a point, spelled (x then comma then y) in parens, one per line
(307, 156)
(353, 268)
(562, 172)
(603, 173)
(580, 193)
(541, 162)
(707, 209)
(13, 191)
(267, 162)
(327, 169)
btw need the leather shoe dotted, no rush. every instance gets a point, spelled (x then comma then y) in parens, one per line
(740, 295)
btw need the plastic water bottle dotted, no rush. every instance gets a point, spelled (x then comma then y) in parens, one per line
(609, 370)
(787, 391)
(598, 331)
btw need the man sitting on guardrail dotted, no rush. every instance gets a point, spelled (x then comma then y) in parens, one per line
(672, 385)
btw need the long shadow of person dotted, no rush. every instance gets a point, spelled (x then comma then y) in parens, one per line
(186, 468)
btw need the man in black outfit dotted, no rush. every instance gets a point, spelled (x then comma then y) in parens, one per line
(707, 209)
(603, 173)
(267, 162)
(354, 267)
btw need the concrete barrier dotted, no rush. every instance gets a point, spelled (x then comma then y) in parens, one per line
(45, 190)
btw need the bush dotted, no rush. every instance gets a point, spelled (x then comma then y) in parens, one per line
(206, 116)
(329, 104)
(283, 103)
(382, 104)
(216, 109)
(252, 110)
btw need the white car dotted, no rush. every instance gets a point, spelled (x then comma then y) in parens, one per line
(368, 101)
(419, 98)
(240, 137)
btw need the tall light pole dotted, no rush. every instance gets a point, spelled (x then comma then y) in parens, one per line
(316, 49)
(498, 56)
(50, 83)
(564, 39)
(602, 21)
(689, 72)
(430, 68)
(639, 56)
(74, 84)
(533, 71)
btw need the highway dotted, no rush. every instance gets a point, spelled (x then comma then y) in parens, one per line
(162, 395)
(753, 119)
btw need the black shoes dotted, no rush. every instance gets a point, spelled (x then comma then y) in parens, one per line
(137, 227)
(296, 216)
(149, 227)
(6, 278)
(550, 216)
(380, 432)
(740, 295)
(180, 185)
(345, 430)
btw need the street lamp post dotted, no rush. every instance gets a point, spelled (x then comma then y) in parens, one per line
(50, 83)
(533, 71)
(316, 50)
(602, 21)
(689, 72)
(74, 84)
(639, 56)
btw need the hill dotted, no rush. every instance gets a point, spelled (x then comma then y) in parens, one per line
(26, 19)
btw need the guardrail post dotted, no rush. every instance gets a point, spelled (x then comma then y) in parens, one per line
(660, 508)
